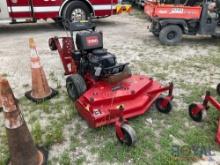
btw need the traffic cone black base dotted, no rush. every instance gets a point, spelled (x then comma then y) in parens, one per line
(23, 141)
(29, 96)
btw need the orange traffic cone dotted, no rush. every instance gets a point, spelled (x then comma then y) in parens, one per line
(21, 146)
(40, 88)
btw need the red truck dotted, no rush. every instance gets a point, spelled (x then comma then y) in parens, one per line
(15, 11)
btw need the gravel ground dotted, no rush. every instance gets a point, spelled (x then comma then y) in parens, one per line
(195, 62)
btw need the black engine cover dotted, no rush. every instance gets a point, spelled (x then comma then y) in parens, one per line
(89, 40)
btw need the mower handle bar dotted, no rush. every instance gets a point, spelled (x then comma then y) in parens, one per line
(85, 25)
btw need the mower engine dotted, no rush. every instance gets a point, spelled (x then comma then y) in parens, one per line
(94, 58)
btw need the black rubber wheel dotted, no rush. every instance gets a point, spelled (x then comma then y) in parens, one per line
(216, 37)
(52, 44)
(75, 86)
(129, 135)
(166, 109)
(156, 34)
(76, 11)
(218, 89)
(170, 35)
(198, 117)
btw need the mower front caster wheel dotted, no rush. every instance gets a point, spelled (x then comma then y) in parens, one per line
(129, 135)
(218, 89)
(163, 105)
(75, 86)
(196, 117)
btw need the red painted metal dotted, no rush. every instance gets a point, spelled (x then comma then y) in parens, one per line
(199, 107)
(65, 52)
(214, 102)
(103, 102)
(133, 94)
(162, 11)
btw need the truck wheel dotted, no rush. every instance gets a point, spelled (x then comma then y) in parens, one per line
(75, 86)
(170, 35)
(76, 11)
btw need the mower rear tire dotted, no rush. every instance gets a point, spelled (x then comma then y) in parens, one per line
(170, 35)
(218, 89)
(75, 86)
(52, 44)
(197, 117)
(130, 137)
(160, 108)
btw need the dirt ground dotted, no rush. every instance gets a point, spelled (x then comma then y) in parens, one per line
(193, 66)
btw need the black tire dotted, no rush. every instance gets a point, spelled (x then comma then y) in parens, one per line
(161, 109)
(75, 86)
(73, 5)
(218, 89)
(216, 37)
(52, 44)
(198, 117)
(129, 135)
(156, 34)
(170, 35)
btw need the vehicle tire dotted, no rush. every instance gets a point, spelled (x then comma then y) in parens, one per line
(161, 109)
(218, 89)
(129, 135)
(75, 86)
(52, 44)
(198, 117)
(216, 37)
(156, 34)
(76, 11)
(170, 35)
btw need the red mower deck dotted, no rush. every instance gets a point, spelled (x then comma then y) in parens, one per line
(101, 103)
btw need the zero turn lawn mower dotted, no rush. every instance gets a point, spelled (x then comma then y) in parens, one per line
(171, 21)
(104, 91)
(198, 111)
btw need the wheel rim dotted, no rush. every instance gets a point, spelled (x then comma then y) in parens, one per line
(161, 108)
(196, 117)
(171, 35)
(78, 15)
